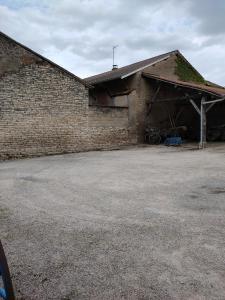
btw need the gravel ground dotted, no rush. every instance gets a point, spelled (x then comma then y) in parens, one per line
(141, 223)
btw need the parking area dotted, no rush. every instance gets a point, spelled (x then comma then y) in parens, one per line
(140, 223)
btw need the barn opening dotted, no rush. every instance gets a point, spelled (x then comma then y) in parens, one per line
(192, 111)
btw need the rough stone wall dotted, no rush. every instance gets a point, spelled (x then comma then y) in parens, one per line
(13, 57)
(108, 127)
(43, 110)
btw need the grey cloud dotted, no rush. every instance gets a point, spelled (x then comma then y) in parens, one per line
(168, 43)
(80, 34)
(210, 14)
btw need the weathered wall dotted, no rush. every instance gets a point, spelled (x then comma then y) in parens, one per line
(142, 91)
(43, 110)
(164, 68)
(118, 95)
(108, 127)
(13, 57)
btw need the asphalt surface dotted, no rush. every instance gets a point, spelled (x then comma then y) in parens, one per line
(141, 223)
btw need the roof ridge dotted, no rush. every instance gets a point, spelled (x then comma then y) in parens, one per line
(133, 64)
(46, 59)
(141, 61)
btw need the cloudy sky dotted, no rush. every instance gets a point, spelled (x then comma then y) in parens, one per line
(79, 34)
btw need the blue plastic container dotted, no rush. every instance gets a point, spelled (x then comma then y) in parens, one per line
(173, 141)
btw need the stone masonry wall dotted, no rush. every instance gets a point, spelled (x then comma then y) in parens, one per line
(108, 127)
(44, 110)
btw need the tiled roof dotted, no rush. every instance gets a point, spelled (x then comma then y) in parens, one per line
(218, 91)
(127, 70)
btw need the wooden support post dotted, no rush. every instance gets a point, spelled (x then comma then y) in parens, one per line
(153, 100)
(202, 112)
(202, 124)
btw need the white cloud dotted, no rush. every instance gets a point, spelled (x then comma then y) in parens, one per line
(79, 34)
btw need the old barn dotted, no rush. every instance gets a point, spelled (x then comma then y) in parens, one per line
(165, 93)
(45, 109)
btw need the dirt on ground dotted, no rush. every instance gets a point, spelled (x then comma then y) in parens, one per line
(141, 223)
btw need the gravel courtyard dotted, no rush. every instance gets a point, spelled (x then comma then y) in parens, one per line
(140, 223)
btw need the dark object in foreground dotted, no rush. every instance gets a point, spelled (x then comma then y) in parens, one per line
(6, 292)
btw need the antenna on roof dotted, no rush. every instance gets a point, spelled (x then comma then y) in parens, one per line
(114, 66)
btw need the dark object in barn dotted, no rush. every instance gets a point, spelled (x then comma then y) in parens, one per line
(179, 131)
(216, 133)
(6, 293)
(173, 141)
(156, 136)
(152, 136)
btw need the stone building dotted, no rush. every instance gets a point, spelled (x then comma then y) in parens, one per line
(44, 109)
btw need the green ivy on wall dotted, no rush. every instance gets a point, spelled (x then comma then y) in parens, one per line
(185, 72)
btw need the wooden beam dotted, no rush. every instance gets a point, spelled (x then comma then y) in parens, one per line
(210, 106)
(170, 99)
(153, 99)
(195, 106)
(214, 101)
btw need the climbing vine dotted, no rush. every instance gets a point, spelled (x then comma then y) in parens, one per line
(186, 73)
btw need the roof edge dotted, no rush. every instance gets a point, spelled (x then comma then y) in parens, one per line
(190, 85)
(166, 56)
(146, 66)
(48, 60)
